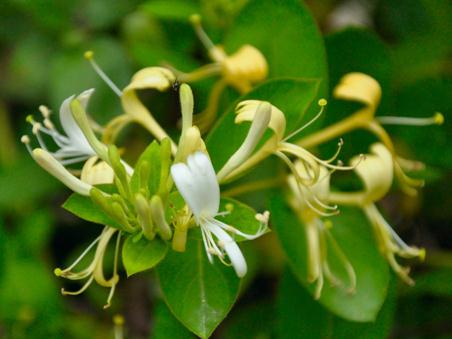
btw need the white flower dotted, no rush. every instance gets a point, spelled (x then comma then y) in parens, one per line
(73, 147)
(198, 185)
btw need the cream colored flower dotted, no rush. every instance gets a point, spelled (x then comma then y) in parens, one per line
(376, 172)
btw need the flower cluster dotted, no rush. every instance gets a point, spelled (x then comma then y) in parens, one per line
(140, 199)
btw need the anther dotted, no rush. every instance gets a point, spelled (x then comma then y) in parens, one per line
(58, 272)
(48, 124)
(36, 127)
(25, 139)
(45, 111)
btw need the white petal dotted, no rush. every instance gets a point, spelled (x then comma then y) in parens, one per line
(208, 189)
(74, 133)
(187, 187)
(231, 248)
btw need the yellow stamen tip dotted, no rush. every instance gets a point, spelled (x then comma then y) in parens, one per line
(229, 207)
(88, 55)
(322, 102)
(58, 272)
(195, 19)
(422, 254)
(29, 119)
(25, 139)
(118, 320)
(328, 224)
(438, 118)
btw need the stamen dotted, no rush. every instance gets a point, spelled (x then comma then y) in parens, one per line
(45, 111)
(89, 55)
(59, 272)
(115, 272)
(195, 20)
(436, 119)
(336, 154)
(80, 291)
(322, 103)
(25, 139)
(48, 124)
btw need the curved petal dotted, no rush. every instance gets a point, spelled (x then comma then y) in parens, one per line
(233, 251)
(376, 171)
(70, 126)
(359, 87)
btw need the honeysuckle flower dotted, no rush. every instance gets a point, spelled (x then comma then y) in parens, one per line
(158, 78)
(197, 183)
(95, 172)
(94, 271)
(318, 237)
(364, 89)
(72, 147)
(277, 144)
(376, 172)
(48, 162)
(241, 70)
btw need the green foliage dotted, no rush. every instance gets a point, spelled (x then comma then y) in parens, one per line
(85, 208)
(354, 235)
(301, 317)
(141, 254)
(198, 293)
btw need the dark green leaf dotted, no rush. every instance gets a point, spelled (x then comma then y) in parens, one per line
(166, 325)
(84, 208)
(285, 32)
(179, 10)
(198, 293)
(301, 317)
(241, 217)
(140, 255)
(354, 235)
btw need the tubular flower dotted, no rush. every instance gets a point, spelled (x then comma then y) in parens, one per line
(158, 78)
(72, 147)
(94, 271)
(376, 172)
(198, 185)
(241, 70)
(277, 144)
(320, 242)
(364, 89)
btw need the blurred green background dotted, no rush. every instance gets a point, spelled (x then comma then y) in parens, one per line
(404, 44)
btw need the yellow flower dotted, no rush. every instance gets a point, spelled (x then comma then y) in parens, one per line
(364, 89)
(376, 172)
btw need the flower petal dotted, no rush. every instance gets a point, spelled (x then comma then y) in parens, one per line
(70, 126)
(232, 249)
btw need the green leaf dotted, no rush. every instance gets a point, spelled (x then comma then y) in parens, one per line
(301, 317)
(297, 52)
(255, 320)
(292, 96)
(142, 254)
(198, 293)
(354, 236)
(241, 217)
(84, 208)
(178, 10)
(165, 325)
(151, 155)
